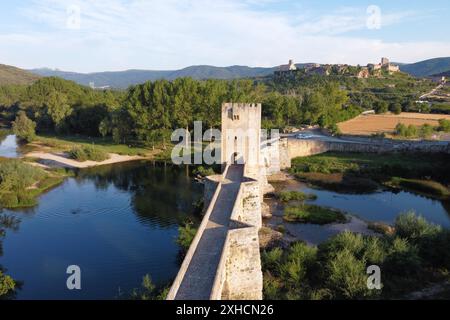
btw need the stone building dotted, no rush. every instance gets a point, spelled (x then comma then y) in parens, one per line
(384, 65)
(241, 133)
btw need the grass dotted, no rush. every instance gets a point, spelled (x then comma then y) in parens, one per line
(339, 182)
(308, 213)
(287, 196)
(427, 187)
(353, 171)
(65, 143)
(21, 183)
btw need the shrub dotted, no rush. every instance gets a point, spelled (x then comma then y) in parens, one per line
(381, 107)
(287, 196)
(24, 128)
(444, 125)
(271, 287)
(204, 172)
(185, 236)
(412, 227)
(395, 108)
(347, 276)
(85, 153)
(353, 242)
(402, 130)
(17, 176)
(271, 259)
(402, 266)
(313, 214)
(7, 284)
(426, 130)
(149, 291)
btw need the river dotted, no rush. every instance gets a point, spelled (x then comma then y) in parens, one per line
(117, 223)
(381, 206)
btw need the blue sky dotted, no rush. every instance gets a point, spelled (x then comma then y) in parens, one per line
(100, 35)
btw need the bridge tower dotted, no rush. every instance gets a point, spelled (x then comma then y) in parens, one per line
(241, 133)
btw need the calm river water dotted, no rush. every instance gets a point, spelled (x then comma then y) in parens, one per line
(117, 223)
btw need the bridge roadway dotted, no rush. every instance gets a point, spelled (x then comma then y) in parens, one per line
(199, 278)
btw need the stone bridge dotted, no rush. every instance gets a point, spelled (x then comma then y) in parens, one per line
(223, 261)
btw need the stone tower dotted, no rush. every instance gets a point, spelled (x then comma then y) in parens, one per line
(241, 133)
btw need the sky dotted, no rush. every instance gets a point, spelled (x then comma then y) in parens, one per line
(112, 35)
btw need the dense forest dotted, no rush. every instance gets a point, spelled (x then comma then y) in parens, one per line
(147, 113)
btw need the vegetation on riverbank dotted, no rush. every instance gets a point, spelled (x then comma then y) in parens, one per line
(21, 183)
(61, 143)
(84, 153)
(358, 172)
(309, 213)
(24, 128)
(186, 235)
(8, 285)
(425, 131)
(149, 291)
(287, 196)
(427, 187)
(418, 253)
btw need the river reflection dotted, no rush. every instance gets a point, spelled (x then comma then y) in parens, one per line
(116, 222)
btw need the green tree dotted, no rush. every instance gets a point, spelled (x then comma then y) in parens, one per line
(7, 284)
(381, 107)
(24, 128)
(395, 108)
(58, 109)
(444, 125)
(426, 131)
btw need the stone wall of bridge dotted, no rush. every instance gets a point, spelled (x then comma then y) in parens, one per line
(293, 148)
(239, 275)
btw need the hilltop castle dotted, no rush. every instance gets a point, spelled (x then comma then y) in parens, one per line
(290, 70)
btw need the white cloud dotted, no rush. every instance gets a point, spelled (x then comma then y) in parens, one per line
(168, 34)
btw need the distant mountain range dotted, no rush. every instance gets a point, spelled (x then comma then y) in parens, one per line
(13, 75)
(123, 79)
(427, 67)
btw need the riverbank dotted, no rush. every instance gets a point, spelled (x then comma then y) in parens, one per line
(21, 183)
(48, 159)
(425, 174)
(53, 152)
(411, 252)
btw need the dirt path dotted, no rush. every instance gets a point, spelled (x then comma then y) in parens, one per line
(61, 160)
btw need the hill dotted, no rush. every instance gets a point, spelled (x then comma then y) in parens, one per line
(13, 75)
(123, 79)
(442, 74)
(427, 67)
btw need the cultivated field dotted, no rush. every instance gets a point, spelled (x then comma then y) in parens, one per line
(378, 123)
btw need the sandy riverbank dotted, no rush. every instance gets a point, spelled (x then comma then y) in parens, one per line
(61, 160)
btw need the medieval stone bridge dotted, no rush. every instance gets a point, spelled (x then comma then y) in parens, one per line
(223, 261)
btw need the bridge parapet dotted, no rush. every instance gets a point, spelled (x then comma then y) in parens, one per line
(239, 274)
(223, 261)
(193, 247)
